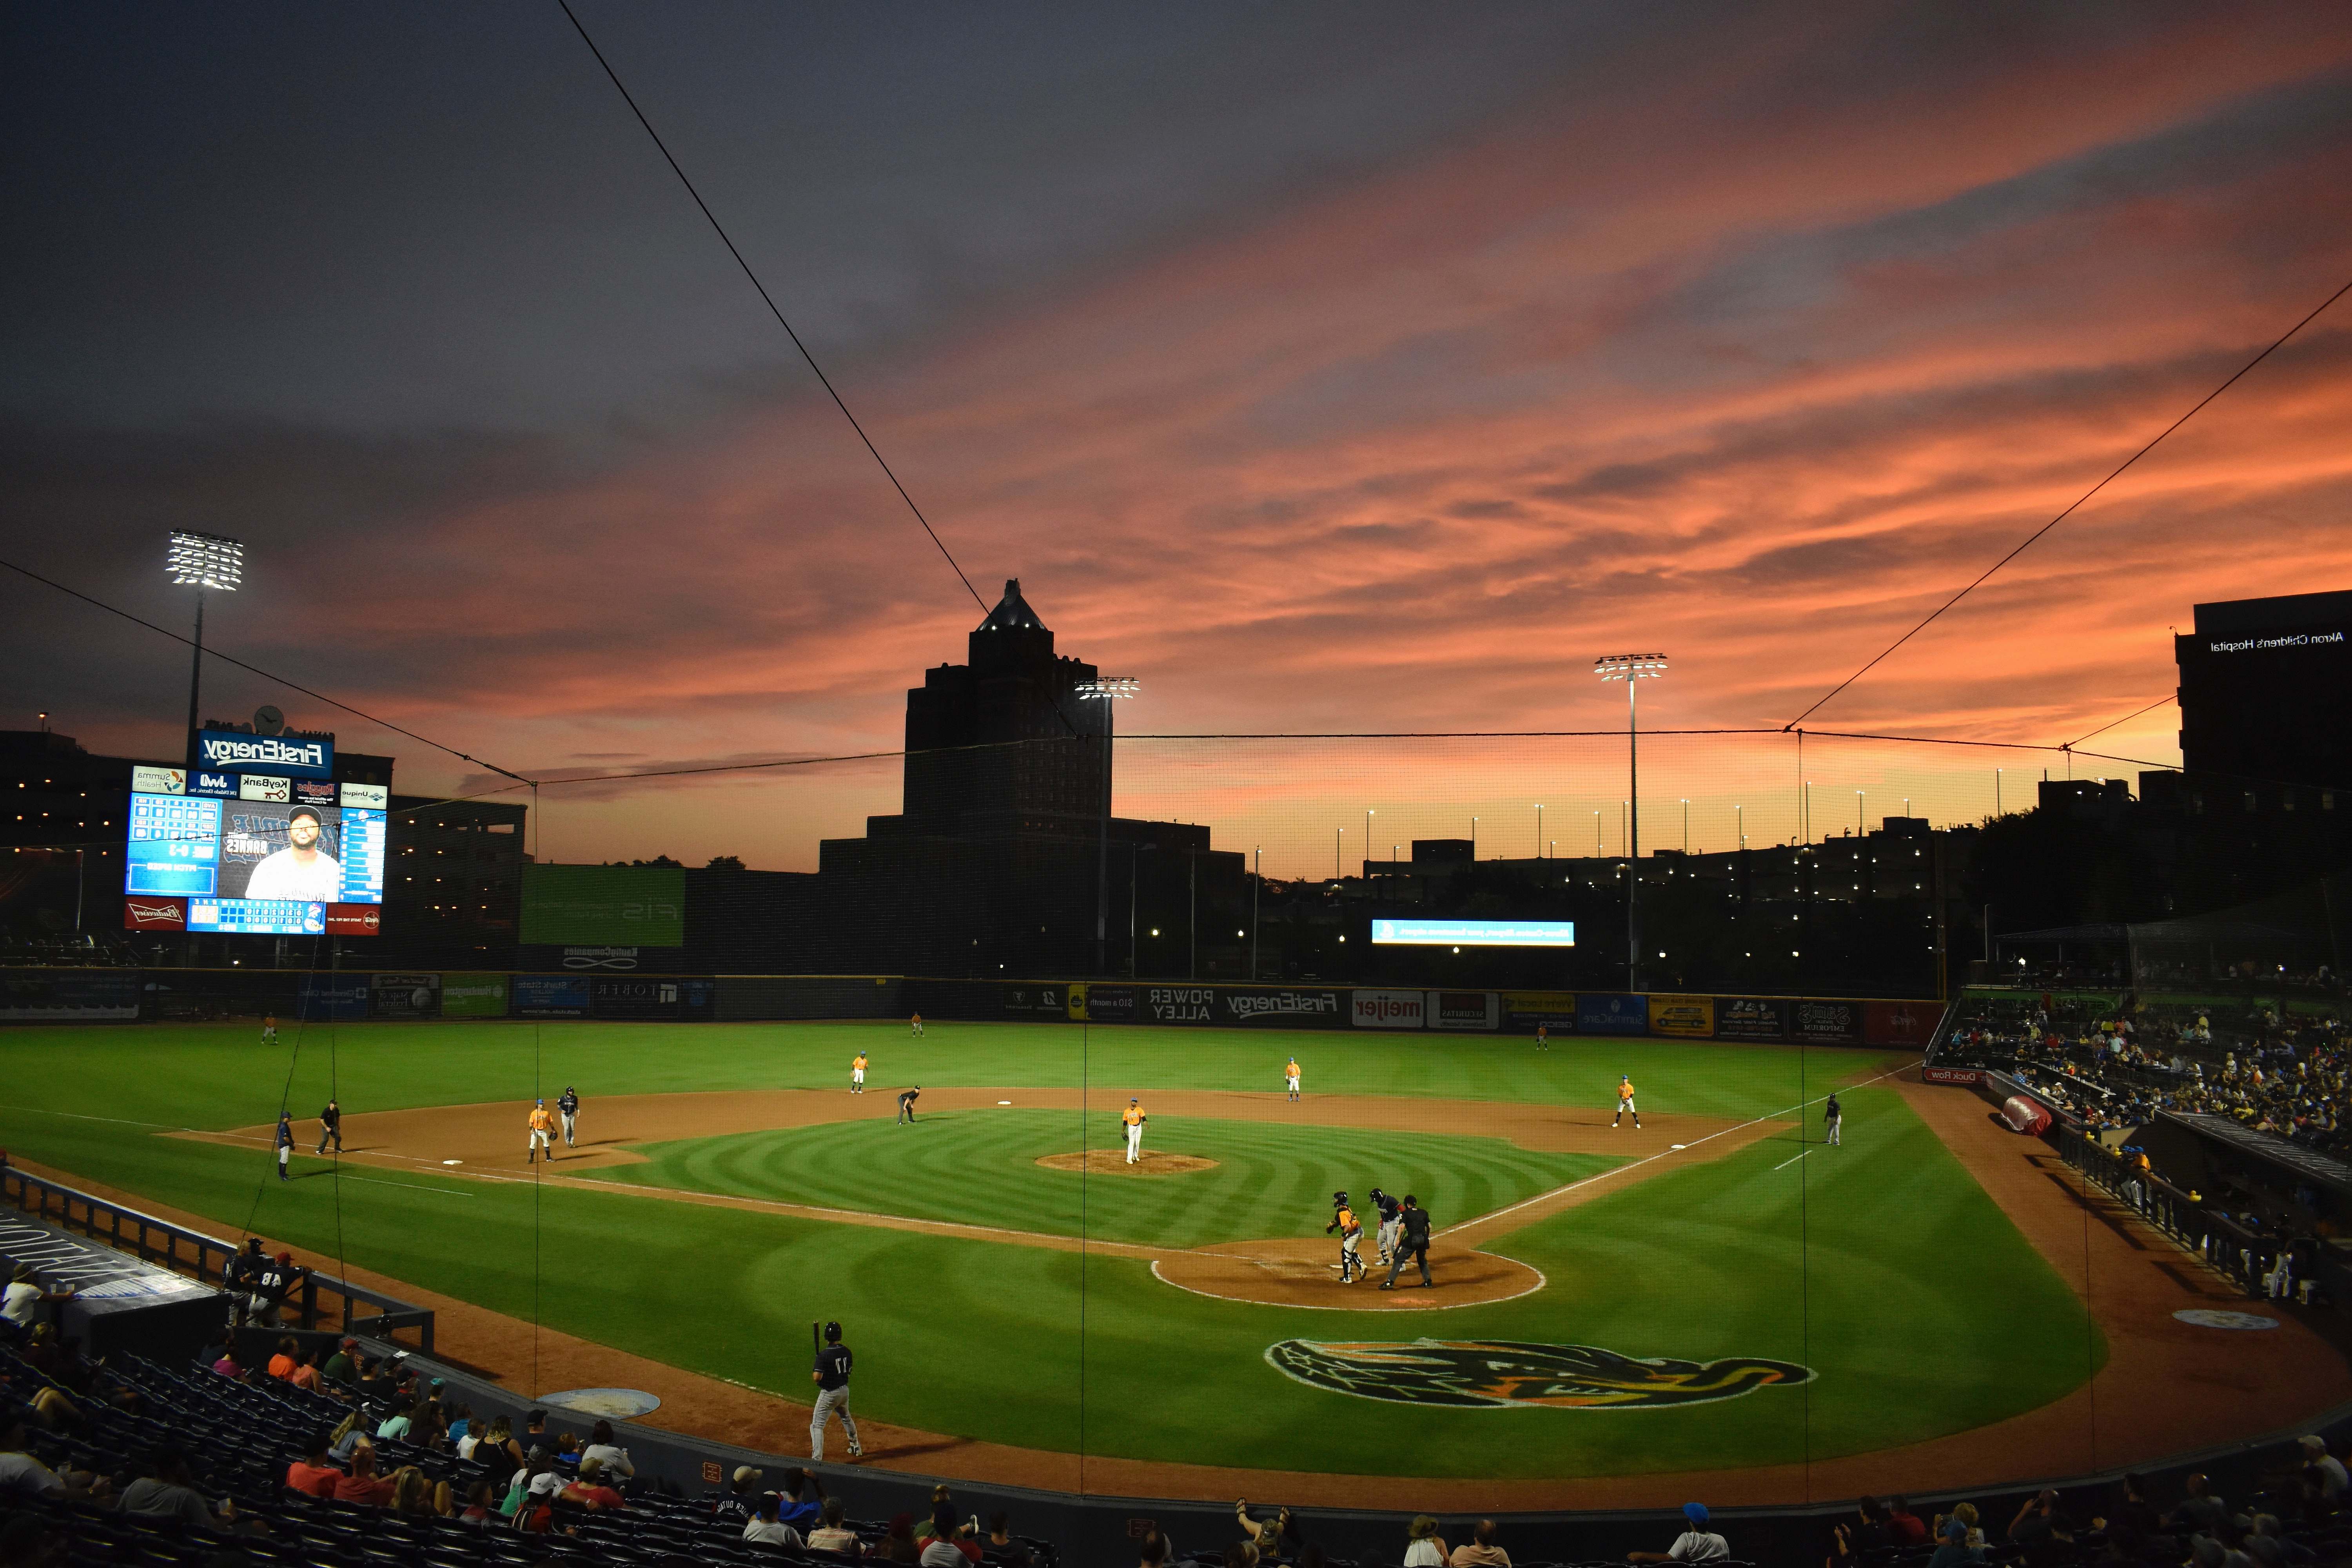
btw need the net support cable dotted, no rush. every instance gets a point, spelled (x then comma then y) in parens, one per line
(2028, 542)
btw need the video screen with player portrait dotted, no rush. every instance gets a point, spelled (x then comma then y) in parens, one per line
(260, 867)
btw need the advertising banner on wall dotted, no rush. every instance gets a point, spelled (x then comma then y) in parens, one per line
(1103, 1003)
(142, 913)
(1023, 1001)
(1682, 1017)
(283, 756)
(337, 996)
(1388, 1009)
(550, 996)
(604, 906)
(1523, 1010)
(47, 996)
(473, 995)
(1751, 1018)
(1291, 1009)
(1965, 1076)
(404, 996)
(1899, 1022)
(1827, 1021)
(1463, 1010)
(1179, 1003)
(1612, 1012)
(649, 998)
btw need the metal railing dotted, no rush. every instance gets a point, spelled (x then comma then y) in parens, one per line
(207, 1258)
(2247, 1256)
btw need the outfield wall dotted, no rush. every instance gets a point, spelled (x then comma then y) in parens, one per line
(354, 994)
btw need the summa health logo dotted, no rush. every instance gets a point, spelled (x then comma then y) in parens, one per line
(1498, 1374)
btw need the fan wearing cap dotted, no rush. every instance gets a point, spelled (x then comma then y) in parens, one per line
(302, 870)
(1695, 1545)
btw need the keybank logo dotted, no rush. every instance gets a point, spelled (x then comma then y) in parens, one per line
(230, 752)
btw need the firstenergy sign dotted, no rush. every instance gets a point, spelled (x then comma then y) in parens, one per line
(227, 750)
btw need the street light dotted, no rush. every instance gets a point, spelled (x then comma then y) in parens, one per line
(1632, 669)
(1108, 690)
(202, 560)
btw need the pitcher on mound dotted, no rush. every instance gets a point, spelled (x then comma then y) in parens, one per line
(1135, 1118)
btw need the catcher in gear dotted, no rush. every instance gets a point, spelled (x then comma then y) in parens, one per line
(1351, 1236)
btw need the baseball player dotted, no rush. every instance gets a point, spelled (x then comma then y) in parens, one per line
(1352, 1237)
(543, 1127)
(907, 1102)
(269, 1029)
(568, 1105)
(830, 1375)
(1390, 1210)
(330, 1125)
(915, 1026)
(1543, 1036)
(1832, 1118)
(285, 1140)
(857, 1074)
(1290, 1076)
(1135, 1118)
(1626, 1103)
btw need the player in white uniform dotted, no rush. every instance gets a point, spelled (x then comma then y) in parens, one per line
(1290, 1075)
(302, 870)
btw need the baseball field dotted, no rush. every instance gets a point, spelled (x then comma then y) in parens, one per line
(1715, 1290)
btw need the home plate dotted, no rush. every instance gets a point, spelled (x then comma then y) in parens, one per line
(453, 1162)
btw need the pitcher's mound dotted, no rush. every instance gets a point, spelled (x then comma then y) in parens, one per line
(1293, 1273)
(1113, 1162)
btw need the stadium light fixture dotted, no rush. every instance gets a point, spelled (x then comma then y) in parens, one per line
(1110, 691)
(1632, 669)
(202, 560)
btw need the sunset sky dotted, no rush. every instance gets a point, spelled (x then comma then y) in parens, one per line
(1329, 368)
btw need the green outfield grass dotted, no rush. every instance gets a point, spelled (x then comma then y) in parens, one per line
(1882, 1265)
(980, 1167)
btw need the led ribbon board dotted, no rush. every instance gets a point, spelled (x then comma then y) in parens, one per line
(1477, 933)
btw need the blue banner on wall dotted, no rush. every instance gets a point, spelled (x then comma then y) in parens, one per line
(1612, 1012)
(324, 997)
(550, 996)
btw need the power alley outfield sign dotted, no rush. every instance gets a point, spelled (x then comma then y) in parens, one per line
(1498, 1374)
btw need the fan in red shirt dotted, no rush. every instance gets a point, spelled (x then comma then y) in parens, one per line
(364, 1485)
(590, 1490)
(314, 1472)
(1905, 1528)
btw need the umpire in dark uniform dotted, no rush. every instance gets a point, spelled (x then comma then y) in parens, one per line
(1414, 1243)
(907, 1103)
(330, 1125)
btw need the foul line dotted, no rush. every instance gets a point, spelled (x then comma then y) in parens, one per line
(1620, 1170)
(1786, 1163)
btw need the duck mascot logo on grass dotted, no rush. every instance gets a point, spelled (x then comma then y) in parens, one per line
(1494, 1375)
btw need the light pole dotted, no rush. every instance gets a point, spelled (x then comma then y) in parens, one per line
(1857, 813)
(1368, 834)
(1474, 839)
(202, 560)
(1685, 825)
(1257, 881)
(1108, 690)
(1538, 830)
(1338, 860)
(1596, 835)
(1740, 815)
(1996, 792)
(1631, 669)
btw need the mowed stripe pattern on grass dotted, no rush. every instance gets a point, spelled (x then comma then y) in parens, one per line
(980, 1167)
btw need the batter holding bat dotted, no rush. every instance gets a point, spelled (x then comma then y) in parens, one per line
(830, 1375)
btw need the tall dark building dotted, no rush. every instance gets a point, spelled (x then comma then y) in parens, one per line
(2267, 690)
(1004, 858)
(963, 773)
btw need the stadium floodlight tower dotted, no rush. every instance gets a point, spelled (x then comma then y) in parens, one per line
(1632, 669)
(203, 561)
(1110, 691)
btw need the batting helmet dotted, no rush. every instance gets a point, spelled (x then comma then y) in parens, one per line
(1339, 1198)
(833, 1334)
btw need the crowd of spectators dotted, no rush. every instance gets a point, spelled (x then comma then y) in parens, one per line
(2297, 1518)
(2117, 1068)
